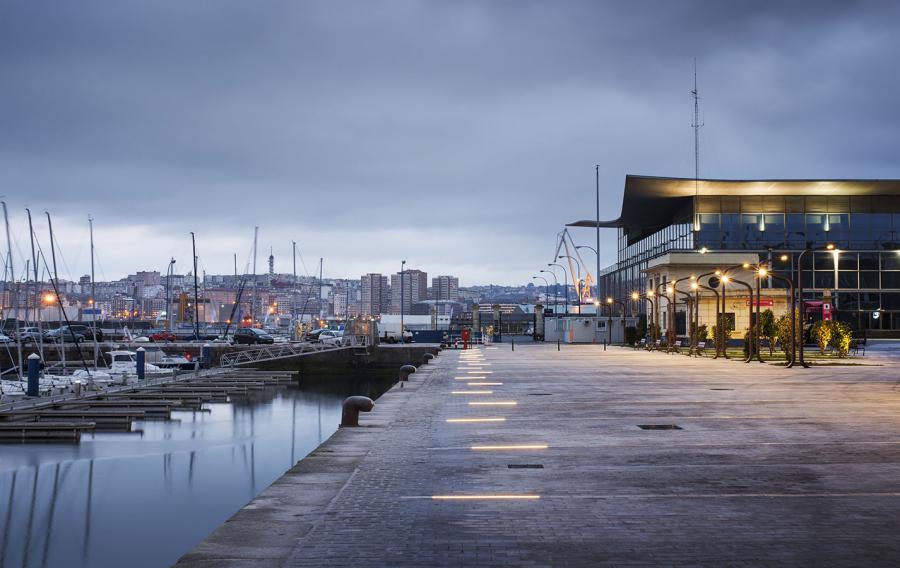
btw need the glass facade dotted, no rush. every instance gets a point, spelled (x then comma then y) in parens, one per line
(862, 279)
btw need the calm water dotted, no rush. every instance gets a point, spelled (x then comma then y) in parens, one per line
(144, 499)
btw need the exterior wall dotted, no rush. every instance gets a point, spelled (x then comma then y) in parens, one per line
(415, 289)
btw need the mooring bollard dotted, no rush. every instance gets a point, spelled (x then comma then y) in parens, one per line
(34, 371)
(406, 371)
(206, 355)
(426, 358)
(141, 363)
(513, 343)
(353, 405)
(557, 344)
(77, 385)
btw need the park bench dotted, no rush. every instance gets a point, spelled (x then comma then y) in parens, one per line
(856, 345)
(699, 349)
(642, 344)
(675, 347)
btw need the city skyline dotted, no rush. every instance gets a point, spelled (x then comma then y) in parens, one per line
(112, 118)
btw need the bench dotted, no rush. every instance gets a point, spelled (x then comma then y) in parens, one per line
(856, 345)
(676, 347)
(699, 349)
(642, 344)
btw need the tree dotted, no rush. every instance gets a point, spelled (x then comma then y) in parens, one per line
(783, 334)
(821, 332)
(768, 329)
(703, 333)
(840, 338)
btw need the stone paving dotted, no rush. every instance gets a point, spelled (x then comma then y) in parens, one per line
(770, 467)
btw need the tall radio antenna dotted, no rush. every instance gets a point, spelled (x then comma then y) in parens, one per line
(696, 125)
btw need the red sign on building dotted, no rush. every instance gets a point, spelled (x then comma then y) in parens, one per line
(764, 303)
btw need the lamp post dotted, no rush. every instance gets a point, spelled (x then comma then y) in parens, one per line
(597, 283)
(725, 279)
(577, 288)
(597, 250)
(546, 286)
(608, 337)
(565, 284)
(169, 270)
(402, 267)
(555, 290)
(828, 247)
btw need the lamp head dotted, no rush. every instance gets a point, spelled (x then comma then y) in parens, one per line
(746, 265)
(829, 246)
(693, 285)
(784, 258)
(609, 300)
(635, 295)
(725, 278)
(704, 250)
(763, 272)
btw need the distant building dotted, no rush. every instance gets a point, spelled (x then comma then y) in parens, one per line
(414, 289)
(445, 288)
(375, 294)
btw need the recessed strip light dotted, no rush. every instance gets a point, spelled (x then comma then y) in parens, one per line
(482, 384)
(496, 403)
(467, 420)
(468, 378)
(480, 372)
(519, 497)
(512, 447)
(472, 392)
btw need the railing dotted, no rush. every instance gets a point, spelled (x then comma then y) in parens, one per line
(288, 350)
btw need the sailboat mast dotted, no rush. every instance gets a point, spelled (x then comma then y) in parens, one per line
(255, 283)
(37, 286)
(196, 290)
(15, 291)
(59, 306)
(93, 300)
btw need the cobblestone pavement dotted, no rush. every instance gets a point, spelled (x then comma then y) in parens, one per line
(770, 467)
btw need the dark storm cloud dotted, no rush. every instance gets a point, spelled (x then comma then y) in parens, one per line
(459, 134)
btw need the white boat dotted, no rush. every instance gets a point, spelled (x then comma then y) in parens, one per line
(125, 363)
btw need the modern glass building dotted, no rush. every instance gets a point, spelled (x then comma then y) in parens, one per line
(775, 219)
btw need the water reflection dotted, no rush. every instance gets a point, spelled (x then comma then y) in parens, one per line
(145, 499)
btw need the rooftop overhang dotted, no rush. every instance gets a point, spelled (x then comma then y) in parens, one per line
(650, 202)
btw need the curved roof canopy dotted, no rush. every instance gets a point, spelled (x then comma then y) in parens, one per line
(653, 201)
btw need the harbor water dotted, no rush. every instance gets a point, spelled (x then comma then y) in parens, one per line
(147, 497)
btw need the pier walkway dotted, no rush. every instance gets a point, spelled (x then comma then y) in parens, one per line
(605, 458)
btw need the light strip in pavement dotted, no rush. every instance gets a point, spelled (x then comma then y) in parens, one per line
(472, 392)
(484, 497)
(482, 384)
(512, 447)
(466, 420)
(499, 403)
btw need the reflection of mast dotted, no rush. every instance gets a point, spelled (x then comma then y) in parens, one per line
(34, 486)
(50, 515)
(9, 507)
(87, 513)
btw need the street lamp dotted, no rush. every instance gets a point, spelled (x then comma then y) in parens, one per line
(555, 290)
(827, 247)
(577, 288)
(565, 283)
(546, 286)
(402, 270)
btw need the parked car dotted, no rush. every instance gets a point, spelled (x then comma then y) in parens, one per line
(30, 335)
(251, 336)
(394, 337)
(64, 335)
(313, 336)
(5, 338)
(87, 331)
(331, 337)
(163, 336)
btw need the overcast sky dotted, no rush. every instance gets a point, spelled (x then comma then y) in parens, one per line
(460, 136)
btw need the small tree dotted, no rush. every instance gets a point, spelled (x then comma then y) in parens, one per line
(840, 338)
(630, 335)
(821, 332)
(768, 329)
(783, 334)
(703, 332)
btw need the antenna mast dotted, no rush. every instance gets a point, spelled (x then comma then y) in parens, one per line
(696, 126)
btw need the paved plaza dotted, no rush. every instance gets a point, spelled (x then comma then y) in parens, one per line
(536, 457)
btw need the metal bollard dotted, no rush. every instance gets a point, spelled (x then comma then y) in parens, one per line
(77, 385)
(513, 343)
(206, 355)
(141, 363)
(34, 372)
(406, 371)
(557, 344)
(426, 358)
(351, 408)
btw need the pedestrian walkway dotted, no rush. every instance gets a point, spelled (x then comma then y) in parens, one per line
(585, 457)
